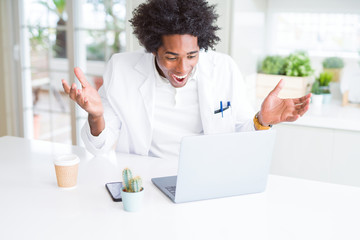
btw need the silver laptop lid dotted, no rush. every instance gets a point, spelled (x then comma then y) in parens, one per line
(223, 165)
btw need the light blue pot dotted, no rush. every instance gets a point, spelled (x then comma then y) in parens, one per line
(132, 201)
(327, 98)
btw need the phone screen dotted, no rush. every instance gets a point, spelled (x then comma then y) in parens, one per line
(114, 188)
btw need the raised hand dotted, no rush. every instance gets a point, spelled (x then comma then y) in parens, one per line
(87, 97)
(276, 110)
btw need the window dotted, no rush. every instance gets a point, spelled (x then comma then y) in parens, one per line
(318, 33)
(94, 29)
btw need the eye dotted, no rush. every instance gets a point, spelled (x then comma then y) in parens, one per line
(170, 59)
(192, 56)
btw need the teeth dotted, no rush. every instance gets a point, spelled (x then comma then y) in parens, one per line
(180, 77)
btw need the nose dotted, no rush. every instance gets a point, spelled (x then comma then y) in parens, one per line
(182, 67)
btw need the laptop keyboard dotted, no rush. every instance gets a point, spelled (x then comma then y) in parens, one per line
(171, 189)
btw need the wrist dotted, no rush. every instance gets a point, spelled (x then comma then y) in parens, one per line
(261, 121)
(259, 125)
(94, 118)
(97, 124)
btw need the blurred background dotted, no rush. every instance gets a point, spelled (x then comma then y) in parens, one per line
(313, 45)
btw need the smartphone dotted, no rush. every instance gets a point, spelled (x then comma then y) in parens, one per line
(114, 189)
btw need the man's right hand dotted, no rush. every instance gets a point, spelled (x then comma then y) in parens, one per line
(88, 99)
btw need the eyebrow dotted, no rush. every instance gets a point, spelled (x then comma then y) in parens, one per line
(176, 54)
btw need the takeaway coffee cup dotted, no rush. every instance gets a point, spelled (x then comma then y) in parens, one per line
(66, 168)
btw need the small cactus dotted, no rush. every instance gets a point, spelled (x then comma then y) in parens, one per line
(131, 184)
(136, 184)
(127, 175)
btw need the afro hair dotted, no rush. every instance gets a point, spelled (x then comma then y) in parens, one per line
(155, 18)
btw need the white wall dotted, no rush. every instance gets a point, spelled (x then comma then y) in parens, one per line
(224, 10)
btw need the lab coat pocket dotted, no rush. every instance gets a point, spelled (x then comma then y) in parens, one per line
(223, 123)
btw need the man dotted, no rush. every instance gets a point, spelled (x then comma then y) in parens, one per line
(150, 100)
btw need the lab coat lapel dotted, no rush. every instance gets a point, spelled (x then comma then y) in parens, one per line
(147, 91)
(205, 92)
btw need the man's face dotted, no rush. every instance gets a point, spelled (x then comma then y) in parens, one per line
(177, 57)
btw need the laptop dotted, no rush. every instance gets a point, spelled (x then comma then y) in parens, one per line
(220, 165)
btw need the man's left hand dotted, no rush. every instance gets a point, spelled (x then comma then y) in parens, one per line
(276, 110)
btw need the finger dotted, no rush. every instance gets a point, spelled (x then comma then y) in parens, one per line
(278, 88)
(302, 104)
(302, 99)
(79, 97)
(72, 93)
(86, 102)
(292, 118)
(80, 75)
(65, 86)
(300, 107)
(304, 109)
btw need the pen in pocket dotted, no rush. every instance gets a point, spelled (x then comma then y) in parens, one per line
(222, 109)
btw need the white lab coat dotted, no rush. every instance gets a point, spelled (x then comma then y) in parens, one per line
(128, 95)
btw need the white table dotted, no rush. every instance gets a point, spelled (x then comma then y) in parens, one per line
(33, 207)
(331, 116)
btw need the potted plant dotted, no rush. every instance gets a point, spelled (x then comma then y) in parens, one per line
(335, 66)
(324, 80)
(132, 193)
(273, 65)
(298, 65)
(294, 69)
(317, 97)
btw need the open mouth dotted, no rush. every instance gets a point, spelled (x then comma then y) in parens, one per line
(179, 78)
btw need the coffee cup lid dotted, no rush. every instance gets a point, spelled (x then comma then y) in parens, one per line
(66, 160)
